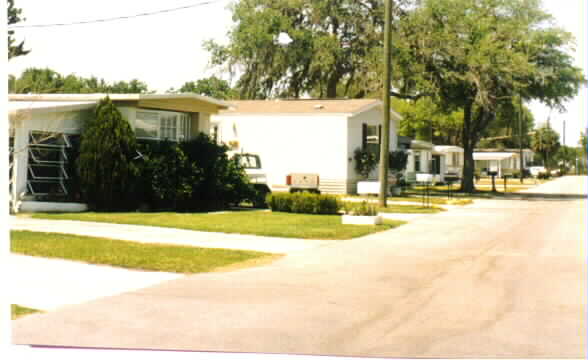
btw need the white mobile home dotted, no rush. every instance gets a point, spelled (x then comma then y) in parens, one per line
(44, 127)
(306, 136)
(453, 158)
(506, 161)
(424, 159)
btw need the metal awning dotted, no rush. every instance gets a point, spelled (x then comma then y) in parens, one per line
(15, 107)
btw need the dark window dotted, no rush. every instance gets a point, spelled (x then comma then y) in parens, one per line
(371, 138)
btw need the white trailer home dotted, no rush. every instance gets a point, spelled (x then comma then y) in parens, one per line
(503, 161)
(42, 129)
(453, 156)
(424, 159)
(306, 136)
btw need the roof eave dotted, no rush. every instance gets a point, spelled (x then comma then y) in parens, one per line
(221, 105)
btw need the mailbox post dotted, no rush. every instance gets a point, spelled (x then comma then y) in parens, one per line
(493, 175)
(450, 179)
(425, 179)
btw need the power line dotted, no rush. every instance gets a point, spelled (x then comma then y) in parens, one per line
(116, 18)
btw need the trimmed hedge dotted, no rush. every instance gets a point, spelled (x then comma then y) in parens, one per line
(303, 203)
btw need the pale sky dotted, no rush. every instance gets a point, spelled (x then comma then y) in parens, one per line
(165, 50)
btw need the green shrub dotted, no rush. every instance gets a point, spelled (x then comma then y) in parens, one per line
(279, 202)
(398, 160)
(360, 209)
(303, 203)
(365, 162)
(544, 175)
(105, 164)
(195, 175)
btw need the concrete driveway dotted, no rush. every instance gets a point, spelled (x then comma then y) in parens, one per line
(500, 278)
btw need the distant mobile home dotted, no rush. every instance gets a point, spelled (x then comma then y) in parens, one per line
(306, 136)
(503, 161)
(44, 128)
(453, 156)
(424, 159)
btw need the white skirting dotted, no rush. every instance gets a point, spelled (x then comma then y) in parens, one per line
(42, 206)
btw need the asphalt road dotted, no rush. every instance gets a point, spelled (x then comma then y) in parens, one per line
(500, 278)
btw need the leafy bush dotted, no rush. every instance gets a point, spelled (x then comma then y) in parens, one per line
(544, 175)
(223, 183)
(398, 160)
(105, 164)
(360, 209)
(303, 203)
(196, 175)
(365, 162)
(170, 178)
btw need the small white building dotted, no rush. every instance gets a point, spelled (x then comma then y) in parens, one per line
(43, 128)
(424, 159)
(306, 136)
(453, 156)
(505, 161)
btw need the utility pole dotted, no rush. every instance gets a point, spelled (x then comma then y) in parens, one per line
(385, 143)
(565, 151)
(521, 167)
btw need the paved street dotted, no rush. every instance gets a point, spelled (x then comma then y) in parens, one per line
(500, 278)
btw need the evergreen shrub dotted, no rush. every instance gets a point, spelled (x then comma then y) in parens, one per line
(105, 163)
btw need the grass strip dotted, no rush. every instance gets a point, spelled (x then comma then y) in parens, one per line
(126, 254)
(19, 311)
(263, 223)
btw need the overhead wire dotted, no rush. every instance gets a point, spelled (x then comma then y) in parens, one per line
(127, 17)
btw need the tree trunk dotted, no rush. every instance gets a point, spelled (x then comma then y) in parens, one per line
(332, 86)
(469, 166)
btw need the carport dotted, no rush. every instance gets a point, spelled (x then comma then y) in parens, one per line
(492, 161)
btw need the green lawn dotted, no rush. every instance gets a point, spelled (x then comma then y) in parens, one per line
(18, 311)
(127, 254)
(264, 223)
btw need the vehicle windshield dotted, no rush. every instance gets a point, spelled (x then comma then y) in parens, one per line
(249, 161)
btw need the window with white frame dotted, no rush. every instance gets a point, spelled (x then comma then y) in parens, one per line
(162, 125)
(371, 138)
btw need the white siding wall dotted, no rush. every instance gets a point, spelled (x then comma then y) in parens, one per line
(203, 123)
(69, 122)
(372, 117)
(453, 161)
(290, 143)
